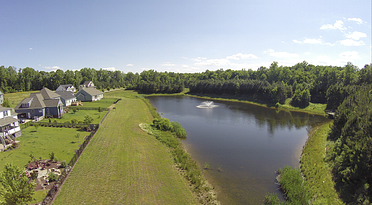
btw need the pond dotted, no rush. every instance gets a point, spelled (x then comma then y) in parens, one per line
(243, 144)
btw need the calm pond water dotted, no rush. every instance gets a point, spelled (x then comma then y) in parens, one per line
(247, 143)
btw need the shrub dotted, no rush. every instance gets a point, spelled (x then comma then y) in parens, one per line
(52, 156)
(178, 130)
(52, 177)
(162, 124)
(292, 185)
(33, 175)
(63, 164)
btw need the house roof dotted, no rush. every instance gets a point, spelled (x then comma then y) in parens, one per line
(92, 91)
(48, 94)
(52, 102)
(86, 83)
(4, 108)
(7, 121)
(37, 102)
(66, 85)
(66, 95)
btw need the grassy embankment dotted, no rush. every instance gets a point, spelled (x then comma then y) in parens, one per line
(124, 165)
(315, 185)
(315, 169)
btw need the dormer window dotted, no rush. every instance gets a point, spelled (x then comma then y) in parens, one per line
(27, 104)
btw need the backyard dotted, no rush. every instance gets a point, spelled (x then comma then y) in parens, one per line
(40, 143)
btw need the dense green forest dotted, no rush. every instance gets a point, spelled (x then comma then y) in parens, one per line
(347, 90)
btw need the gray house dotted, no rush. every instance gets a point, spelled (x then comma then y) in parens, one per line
(1, 97)
(89, 94)
(45, 103)
(67, 97)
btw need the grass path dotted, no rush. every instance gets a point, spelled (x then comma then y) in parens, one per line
(124, 165)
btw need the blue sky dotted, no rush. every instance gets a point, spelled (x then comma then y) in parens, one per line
(183, 36)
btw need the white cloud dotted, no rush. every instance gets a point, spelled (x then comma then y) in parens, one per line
(356, 35)
(53, 68)
(329, 44)
(109, 68)
(129, 65)
(313, 41)
(338, 25)
(241, 56)
(358, 20)
(269, 51)
(349, 55)
(168, 64)
(211, 62)
(185, 66)
(280, 54)
(30, 48)
(296, 41)
(350, 42)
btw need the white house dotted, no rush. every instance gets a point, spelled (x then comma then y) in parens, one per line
(67, 87)
(9, 127)
(87, 84)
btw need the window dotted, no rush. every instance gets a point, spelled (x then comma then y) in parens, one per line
(5, 113)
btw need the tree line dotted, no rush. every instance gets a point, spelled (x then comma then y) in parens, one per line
(303, 82)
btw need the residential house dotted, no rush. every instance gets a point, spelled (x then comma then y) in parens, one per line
(1, 97)
(9, 127)
(67, 87)
(89, 94)
(87, 84)
(45, 103)
(67, 97)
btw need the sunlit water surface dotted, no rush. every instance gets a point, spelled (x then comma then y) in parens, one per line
(243, 144)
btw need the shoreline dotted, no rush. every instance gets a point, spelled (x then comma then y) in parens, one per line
(282, 107)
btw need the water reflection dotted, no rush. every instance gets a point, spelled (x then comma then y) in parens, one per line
(248, 143)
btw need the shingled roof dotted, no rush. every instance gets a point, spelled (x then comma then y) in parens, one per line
(7, 121)
(48, 94)
(66, 94)
(92, 91)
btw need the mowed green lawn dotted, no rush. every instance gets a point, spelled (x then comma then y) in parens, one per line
(124, 165)
(103, 103)
(61, 141)
(79, 115)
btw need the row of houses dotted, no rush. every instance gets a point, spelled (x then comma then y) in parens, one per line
(45, 103)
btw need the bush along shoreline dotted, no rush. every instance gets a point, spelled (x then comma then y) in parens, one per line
(167, 133)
